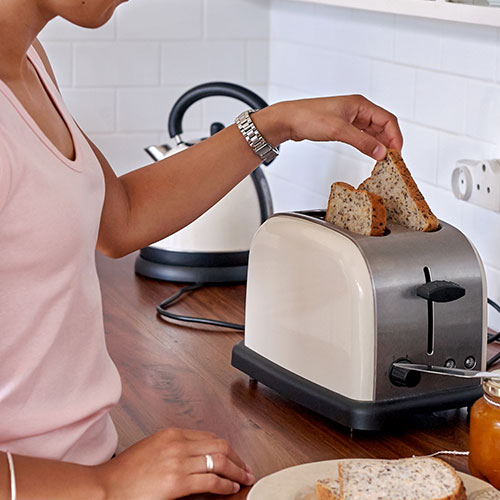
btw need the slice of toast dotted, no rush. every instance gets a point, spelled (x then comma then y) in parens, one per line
(405, 479)
(328, 489)
(356, 210)
(404, 202)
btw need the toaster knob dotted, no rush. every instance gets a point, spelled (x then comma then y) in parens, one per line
(441, 291)
(402, 377)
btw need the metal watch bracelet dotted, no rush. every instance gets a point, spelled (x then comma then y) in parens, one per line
(260, 146)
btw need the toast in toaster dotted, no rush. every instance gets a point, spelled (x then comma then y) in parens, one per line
(405, 479)
(356, 210)
(404, 202)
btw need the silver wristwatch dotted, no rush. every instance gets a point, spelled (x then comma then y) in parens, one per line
(254, 138)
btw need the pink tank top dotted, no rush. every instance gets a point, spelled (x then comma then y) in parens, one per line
(57, 381)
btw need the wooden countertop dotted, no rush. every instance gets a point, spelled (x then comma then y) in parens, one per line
(180, 375)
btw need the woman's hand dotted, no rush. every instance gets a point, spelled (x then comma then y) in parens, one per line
(172, 464)
(351, 119)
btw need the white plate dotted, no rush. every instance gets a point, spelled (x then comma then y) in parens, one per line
(299, 483)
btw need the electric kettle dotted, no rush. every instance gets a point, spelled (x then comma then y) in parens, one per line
(215, 247)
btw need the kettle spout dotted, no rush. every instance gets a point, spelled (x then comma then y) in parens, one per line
(158, 152)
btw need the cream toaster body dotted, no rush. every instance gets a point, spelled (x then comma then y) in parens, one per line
(328, 312)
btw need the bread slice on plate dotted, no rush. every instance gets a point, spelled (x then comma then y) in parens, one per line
(406, 479)
(328, 489)
(356, 210)
(404, 202)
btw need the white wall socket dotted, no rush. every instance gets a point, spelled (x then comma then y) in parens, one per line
(477, 181)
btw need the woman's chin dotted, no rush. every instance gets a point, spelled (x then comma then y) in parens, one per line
(95, 21)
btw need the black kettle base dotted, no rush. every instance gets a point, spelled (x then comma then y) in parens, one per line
(190, 274)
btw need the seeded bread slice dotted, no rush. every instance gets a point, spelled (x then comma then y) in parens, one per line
(356, 210)
(405, 479)
(328, 489)
(404, 202)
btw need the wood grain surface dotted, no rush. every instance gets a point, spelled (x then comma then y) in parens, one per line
(180, 375)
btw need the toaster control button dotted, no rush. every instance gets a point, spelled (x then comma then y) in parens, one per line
(470, 362)
(441, 291)
(402, 377)
(450, 363)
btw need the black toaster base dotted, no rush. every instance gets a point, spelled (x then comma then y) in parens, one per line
(354, 414)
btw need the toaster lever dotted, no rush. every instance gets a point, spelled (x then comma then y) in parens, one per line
(401, 374)
(441, 291)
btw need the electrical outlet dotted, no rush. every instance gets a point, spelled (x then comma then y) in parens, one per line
(478, 182)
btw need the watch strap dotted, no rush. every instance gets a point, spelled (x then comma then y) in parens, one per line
(254, 138)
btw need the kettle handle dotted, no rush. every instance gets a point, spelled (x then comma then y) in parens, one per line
(210, 89)
(224, 89)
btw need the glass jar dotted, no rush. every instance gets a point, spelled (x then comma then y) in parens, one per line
(484, 437)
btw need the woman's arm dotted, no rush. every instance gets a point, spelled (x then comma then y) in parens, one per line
(168, 465)
(152, 202)
(46, 479)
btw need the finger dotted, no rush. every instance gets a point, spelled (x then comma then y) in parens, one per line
(381, 136)
(391, 133)
(366, 143)
(188, 434)
(374, 132)
(215, 446)
(367, 124)
(392, 136)
(376, 118)
(194, 435)
(223, 466)
(389, 140)
(211, 483)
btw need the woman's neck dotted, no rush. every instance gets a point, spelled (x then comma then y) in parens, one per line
(20, 23)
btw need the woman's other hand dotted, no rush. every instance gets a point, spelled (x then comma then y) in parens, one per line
(172, 464)
(351, 119)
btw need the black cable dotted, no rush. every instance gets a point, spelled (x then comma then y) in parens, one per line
(493, 338)
(163, 306)
(493, 304)
(493, 360)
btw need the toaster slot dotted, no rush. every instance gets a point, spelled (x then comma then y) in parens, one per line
(430, 316)
(436, 291)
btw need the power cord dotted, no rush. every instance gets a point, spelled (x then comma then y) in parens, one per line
(493, 337)
(163, 306)
(168, 302)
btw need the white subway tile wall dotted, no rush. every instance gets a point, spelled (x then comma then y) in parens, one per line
(160, 20)
(441, 79)
(121, 81)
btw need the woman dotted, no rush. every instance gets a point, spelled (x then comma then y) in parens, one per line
(59, 199)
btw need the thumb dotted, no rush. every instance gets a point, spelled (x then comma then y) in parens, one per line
(362, 141)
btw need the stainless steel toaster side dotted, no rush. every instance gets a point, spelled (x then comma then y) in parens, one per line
(448, 333)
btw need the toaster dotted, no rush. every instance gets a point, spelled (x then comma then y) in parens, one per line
(328, 313)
